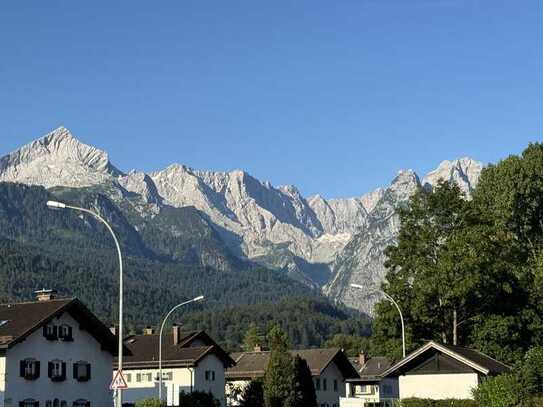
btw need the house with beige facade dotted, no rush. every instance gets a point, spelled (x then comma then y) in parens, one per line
(330, 369)
(437, 371)
(54, 353)
(191, 361)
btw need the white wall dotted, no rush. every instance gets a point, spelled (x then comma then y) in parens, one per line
(438, 386)
(330, 396)
(84, 347)
(2, 379)
(216, 387)
(183, 379)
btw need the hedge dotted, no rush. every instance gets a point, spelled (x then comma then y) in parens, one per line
(414, 402)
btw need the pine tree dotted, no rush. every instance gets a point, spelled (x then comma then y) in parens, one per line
(279, 380)
(304, 390)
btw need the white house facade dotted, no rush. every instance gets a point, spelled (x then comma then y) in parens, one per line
(54, 353)
(191, 362)
(330, 368)
(437, 371)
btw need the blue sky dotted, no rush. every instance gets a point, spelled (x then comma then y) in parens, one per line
(332, 96)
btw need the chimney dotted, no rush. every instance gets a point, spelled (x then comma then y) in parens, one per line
(176, 332)
(113, 330)
(257, 348)
(45, 295)
(148, 330)
(362, 359)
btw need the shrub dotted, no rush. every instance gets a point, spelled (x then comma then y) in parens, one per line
(416, 402)
(505, 390)
(150, 403)
(197, 399)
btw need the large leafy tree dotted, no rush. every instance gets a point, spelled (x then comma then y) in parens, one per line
(448, 269)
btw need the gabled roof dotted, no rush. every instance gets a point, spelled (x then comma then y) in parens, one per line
(144, 351)
(470, 357)
(254, 364)
(372, 370)
(19, 320)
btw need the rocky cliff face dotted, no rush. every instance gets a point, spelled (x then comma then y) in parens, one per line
(316, 240)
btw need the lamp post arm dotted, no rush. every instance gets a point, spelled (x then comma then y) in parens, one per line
(160, 345)
(388, 297)
(118, 246)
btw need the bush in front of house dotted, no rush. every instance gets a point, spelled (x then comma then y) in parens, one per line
(151, 403)
(505, 390)
(416, 402)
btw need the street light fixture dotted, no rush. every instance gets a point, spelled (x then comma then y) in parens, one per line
(389, 298)
(60, 205)
(200, 298)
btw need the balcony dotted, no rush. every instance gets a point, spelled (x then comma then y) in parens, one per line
(366, 401)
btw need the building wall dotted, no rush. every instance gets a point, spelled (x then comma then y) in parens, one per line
(438, 386)
(84, 347)
(330, 397)
(2, 378)
(183, 379)
(216, 387)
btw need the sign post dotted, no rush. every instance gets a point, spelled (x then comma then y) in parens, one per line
(118, 382)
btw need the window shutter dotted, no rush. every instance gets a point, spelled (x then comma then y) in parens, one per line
(70, 333)
(75, 365)
(63, 371)
(22, 365)
(37, 362)
(88, 373)
(55, 331)
(36, 404)
(21, 404)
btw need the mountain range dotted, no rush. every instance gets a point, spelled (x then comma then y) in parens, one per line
(231, 220)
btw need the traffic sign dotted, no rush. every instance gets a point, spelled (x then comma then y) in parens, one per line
(118, 381)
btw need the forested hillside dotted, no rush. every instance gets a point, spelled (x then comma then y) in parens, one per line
(74, 254)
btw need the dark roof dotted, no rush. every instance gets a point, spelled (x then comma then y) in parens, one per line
(144, 351)
(372, 370)
(22, 319)
(253, 364)
(470, 357)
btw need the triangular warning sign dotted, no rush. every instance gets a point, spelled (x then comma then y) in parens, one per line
(118, 381)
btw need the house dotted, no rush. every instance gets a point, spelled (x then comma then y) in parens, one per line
(54, 353)
(191, 361)
(329, 368)
(370, 389)
(437, 371)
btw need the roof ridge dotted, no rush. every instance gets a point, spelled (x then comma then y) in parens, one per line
(5, 304)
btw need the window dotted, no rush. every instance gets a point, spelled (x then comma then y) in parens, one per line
(323, 384)
(81, 403)
(169, 376)
(210, 375)
(63, 403)
(65, 333)
(29, 403)
(138, 377)
(30, 369)
(82, 371)
(128, 377)
(149, 377)
(387, 389)
(317, 384)
(57, 370)
(335, 385)
(50, 332)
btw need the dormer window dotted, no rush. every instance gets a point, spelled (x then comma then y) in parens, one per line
(30, 369)
(65, 333)
(50, 332)
(57, 370)
(82, 371)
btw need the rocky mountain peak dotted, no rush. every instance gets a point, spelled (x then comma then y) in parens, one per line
(465, 172)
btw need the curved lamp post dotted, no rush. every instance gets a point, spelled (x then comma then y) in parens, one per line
(389, 298)
(60, 205)
(200, 298)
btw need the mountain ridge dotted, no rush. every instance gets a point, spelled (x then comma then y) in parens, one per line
(314, 240)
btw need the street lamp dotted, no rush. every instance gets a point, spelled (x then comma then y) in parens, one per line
(200, 298)
(389, 298)
(60, 205)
